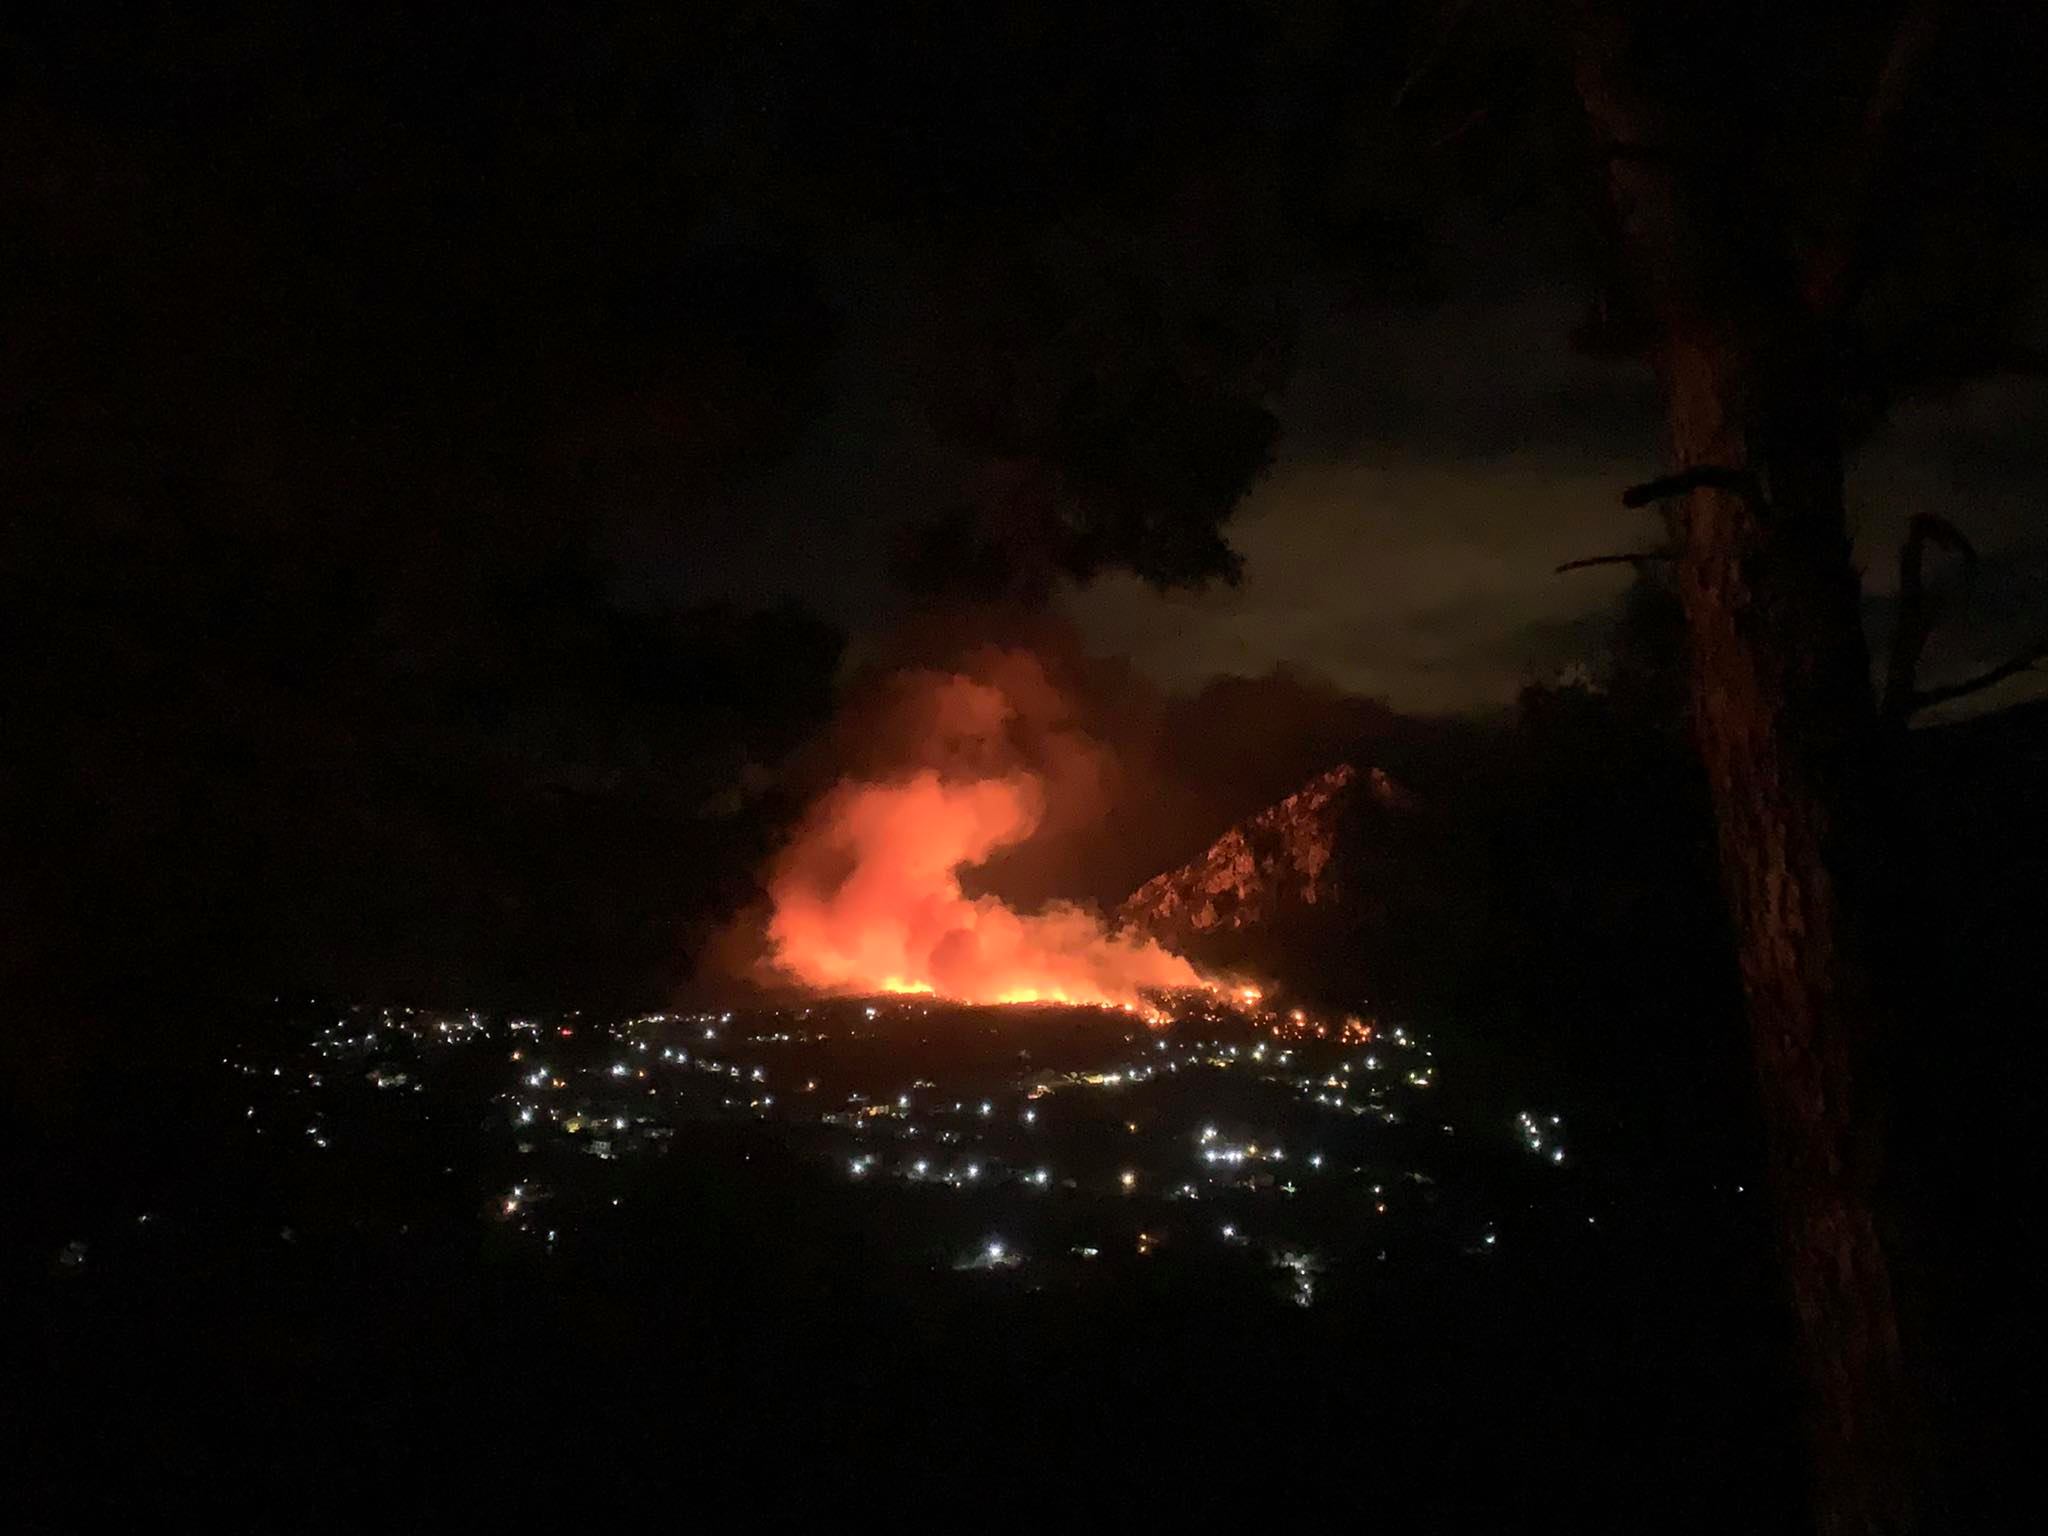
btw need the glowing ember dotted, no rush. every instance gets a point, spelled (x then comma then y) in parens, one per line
(867, 899)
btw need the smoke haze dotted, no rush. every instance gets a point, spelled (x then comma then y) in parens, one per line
(868, 896)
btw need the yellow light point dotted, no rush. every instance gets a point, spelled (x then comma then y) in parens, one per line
(1128, 1179)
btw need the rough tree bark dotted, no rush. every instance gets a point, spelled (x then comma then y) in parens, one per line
(1785, 722)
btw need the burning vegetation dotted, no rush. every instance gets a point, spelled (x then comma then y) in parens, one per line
(868, 899)
(868, 894)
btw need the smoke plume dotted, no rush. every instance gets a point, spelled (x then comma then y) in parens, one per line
(868, 894)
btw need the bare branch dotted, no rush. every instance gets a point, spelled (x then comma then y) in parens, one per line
(2022, 661)
(1836, 268)
(1649, 204)
(1915, 622)
(1429, 58)
(1638, 559)
(1648, 154)
(1471, 120)
(1919, 25)
(1741, 482)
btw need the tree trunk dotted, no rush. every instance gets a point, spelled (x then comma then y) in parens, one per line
(1785, 723)
(1786, 726)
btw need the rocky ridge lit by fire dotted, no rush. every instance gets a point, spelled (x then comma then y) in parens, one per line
(1286, 856)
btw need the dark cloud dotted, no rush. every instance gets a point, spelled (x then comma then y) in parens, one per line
(403, 374)
(1401, 581)
(1437, 465)
(1140, 777)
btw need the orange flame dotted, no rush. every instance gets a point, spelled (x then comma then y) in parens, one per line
(867, 898)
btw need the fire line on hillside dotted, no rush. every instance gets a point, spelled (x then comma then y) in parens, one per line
(868, 899)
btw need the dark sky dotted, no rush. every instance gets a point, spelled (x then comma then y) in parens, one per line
(451, 453)
(1436, 462)
(703, 286)
(1438, 465)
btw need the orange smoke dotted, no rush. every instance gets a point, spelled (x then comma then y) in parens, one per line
(867, 896)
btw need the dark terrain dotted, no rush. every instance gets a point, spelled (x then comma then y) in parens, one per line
(330, 1316)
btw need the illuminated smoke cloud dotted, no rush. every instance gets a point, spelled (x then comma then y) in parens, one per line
(867, 897)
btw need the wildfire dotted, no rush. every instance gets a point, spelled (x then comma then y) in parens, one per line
(867, 898)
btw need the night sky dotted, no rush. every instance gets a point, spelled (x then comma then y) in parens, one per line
(701, 291)
(629, 514)
(1436, 462)
(479, 447)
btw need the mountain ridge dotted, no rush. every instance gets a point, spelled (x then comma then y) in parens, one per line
(1269, 869)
